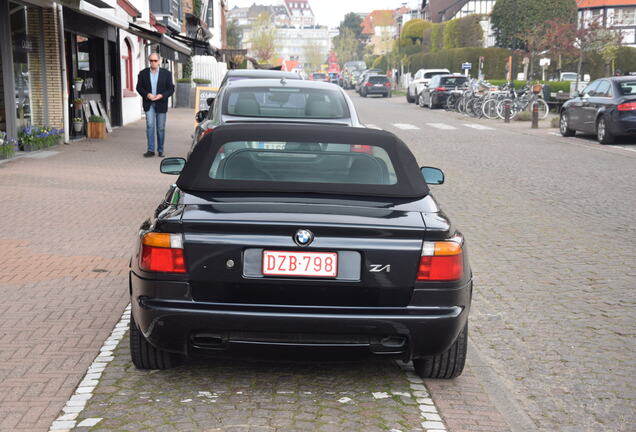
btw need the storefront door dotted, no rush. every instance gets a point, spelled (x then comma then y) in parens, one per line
(85, 60)
(22, 46)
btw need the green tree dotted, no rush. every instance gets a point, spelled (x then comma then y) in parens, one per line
(233, 35)
(353, 22)
(346, 46)
(413, 30)
(512, 18)
(348, 43)
(263, 37)
(313, 56)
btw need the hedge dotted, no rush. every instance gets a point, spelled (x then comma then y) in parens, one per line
(494, 60)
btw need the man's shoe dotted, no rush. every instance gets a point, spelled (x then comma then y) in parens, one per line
(160, 154)
(149, 154)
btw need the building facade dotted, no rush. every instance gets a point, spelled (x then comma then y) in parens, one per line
(380, 28)
(446, 10)
(294, 43)
(619, 15)
(72, 59)
(30, 71)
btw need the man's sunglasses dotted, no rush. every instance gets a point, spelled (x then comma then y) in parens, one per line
(153, 61)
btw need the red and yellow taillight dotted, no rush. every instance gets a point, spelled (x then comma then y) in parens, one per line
(628, 106)
(441, 261)
(162, 252)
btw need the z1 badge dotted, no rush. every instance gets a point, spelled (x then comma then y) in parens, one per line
(376, 268)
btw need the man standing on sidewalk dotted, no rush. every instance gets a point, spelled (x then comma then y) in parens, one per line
(154, 85)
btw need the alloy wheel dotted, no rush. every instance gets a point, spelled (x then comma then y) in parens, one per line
(564, 123)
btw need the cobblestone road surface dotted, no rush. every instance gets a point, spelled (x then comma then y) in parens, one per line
(551, 234)
(552, 238)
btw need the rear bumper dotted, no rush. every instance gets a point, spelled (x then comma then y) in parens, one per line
(439, 98)
(377, 90)
(623, 123)
(172, 322)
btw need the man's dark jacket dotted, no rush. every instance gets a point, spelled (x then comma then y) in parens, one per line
(164, 86)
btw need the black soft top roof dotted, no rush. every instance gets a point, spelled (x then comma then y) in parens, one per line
(195, 175)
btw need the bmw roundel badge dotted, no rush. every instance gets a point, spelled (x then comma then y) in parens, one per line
(303, 237)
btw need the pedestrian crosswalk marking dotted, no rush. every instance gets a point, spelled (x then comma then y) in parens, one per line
(478, 126)
(372, 126)
(405, 126)
(442, 126)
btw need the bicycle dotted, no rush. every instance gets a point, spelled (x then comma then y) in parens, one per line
(522, 102)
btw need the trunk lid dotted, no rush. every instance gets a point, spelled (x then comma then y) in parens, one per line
(378, 250)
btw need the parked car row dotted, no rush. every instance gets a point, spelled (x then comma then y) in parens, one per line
(291, 225)
(605, 108)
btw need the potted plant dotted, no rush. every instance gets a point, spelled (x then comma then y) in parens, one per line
(77, 103)
(183, 92)
(201, 81)
(96, 127)
(78, 124)
(78, 83)
(27, 139)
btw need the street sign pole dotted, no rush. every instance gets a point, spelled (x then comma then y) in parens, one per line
(467, 67)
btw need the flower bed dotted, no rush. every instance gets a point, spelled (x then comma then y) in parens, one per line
(39, 137)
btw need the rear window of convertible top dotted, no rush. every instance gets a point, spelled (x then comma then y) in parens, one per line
(287, 102)
(303, 162)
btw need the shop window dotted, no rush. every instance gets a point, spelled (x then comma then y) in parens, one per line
(128, 69)
(22, 47)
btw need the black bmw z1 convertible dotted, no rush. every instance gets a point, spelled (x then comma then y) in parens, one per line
(300, 235)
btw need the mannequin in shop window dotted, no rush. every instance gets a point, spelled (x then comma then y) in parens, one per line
(154, 85)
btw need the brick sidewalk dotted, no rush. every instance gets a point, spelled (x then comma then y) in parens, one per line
(63, 280)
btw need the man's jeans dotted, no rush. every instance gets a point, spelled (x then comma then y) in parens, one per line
(155, 121)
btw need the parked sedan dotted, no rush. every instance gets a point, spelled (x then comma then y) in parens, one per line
(436, 93)
(300, 236)
(241, 74)
(237, 75)
(376, 85)
(319, 76)
(421, 79)
(297, 101)
(606, 107)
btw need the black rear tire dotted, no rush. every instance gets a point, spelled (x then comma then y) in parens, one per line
(449, 364)
(603, 135)
(409, 99)
(146, 356)
(564, 125)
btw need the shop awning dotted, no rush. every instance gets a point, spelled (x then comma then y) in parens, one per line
(77, 4)
(169, 47)
(100, 9)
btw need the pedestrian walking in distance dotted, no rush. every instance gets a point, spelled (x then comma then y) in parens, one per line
(154, 85)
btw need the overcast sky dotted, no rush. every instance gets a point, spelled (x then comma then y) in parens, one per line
(331, 12)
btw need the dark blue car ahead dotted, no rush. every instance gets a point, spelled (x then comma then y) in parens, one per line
(606, 107)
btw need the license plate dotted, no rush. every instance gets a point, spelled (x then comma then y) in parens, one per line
(378, 85)
(308, 264)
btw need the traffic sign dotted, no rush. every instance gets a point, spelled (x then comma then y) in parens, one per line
(467, 66)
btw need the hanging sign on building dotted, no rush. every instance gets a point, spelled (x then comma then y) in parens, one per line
(22, 43)
(203, 94)
(91, 82)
